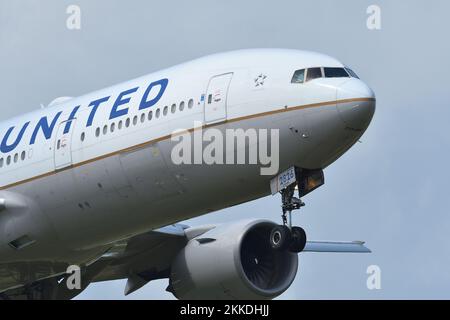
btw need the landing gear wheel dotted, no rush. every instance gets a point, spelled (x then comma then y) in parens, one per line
(280, 237)
(298, 240)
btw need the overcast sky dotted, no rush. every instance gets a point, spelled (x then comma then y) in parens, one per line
(390, 190)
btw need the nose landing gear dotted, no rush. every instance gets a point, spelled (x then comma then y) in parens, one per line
(286, 236)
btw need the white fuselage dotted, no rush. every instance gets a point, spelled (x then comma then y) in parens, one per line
(80, 175)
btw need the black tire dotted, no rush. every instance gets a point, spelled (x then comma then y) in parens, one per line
(298, 240)
(280, 237)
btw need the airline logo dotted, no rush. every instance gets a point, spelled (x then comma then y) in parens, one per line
(151, 96)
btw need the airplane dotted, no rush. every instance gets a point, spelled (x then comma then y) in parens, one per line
(89, 181)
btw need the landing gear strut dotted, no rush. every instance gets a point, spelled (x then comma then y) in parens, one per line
(289, 203)
(286, 236)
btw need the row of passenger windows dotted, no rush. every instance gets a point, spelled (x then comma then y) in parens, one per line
(12, 159)
(304, 75)
(144, 116)
(6, 161)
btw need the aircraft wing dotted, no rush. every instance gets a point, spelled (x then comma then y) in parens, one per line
(147, 255)
(141, 259)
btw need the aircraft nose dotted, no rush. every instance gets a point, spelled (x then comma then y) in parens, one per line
(355, 103)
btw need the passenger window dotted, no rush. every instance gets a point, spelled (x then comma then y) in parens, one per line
(173, 108)
(166, 108)
(22, 156)
(105, 129)
(209, 98)
(181, 106)
(299, 76)
(335, 73)
(313, 73)
(157, 113)
(127, 122)
(119, 126)
(150, 115)
(97, 132)
(82, 136)
(143, 117)
(190, 103)
(113, 127)
(135, 120)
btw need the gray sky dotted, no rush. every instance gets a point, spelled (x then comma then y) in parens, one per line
(390, 190)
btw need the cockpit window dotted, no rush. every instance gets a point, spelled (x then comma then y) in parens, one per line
(305, 75)
(299, 76)
(352, 73)
(335, 73)
(313, 73)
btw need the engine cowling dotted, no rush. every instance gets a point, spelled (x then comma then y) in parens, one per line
(233, 261)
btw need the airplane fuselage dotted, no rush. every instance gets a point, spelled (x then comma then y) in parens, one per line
(82, 174)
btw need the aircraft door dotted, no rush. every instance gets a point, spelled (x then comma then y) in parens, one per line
(215, 103)
(63, 144)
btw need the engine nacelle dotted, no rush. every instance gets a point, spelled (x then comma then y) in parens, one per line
(233, 261)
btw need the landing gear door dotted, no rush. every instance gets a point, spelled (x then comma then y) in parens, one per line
(215, 103)
(305, 180)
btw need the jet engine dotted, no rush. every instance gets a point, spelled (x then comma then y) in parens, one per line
(234, 261)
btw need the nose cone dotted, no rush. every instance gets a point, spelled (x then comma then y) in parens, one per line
(355, 103)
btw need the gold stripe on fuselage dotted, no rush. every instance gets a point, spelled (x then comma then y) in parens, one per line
(140, 145)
